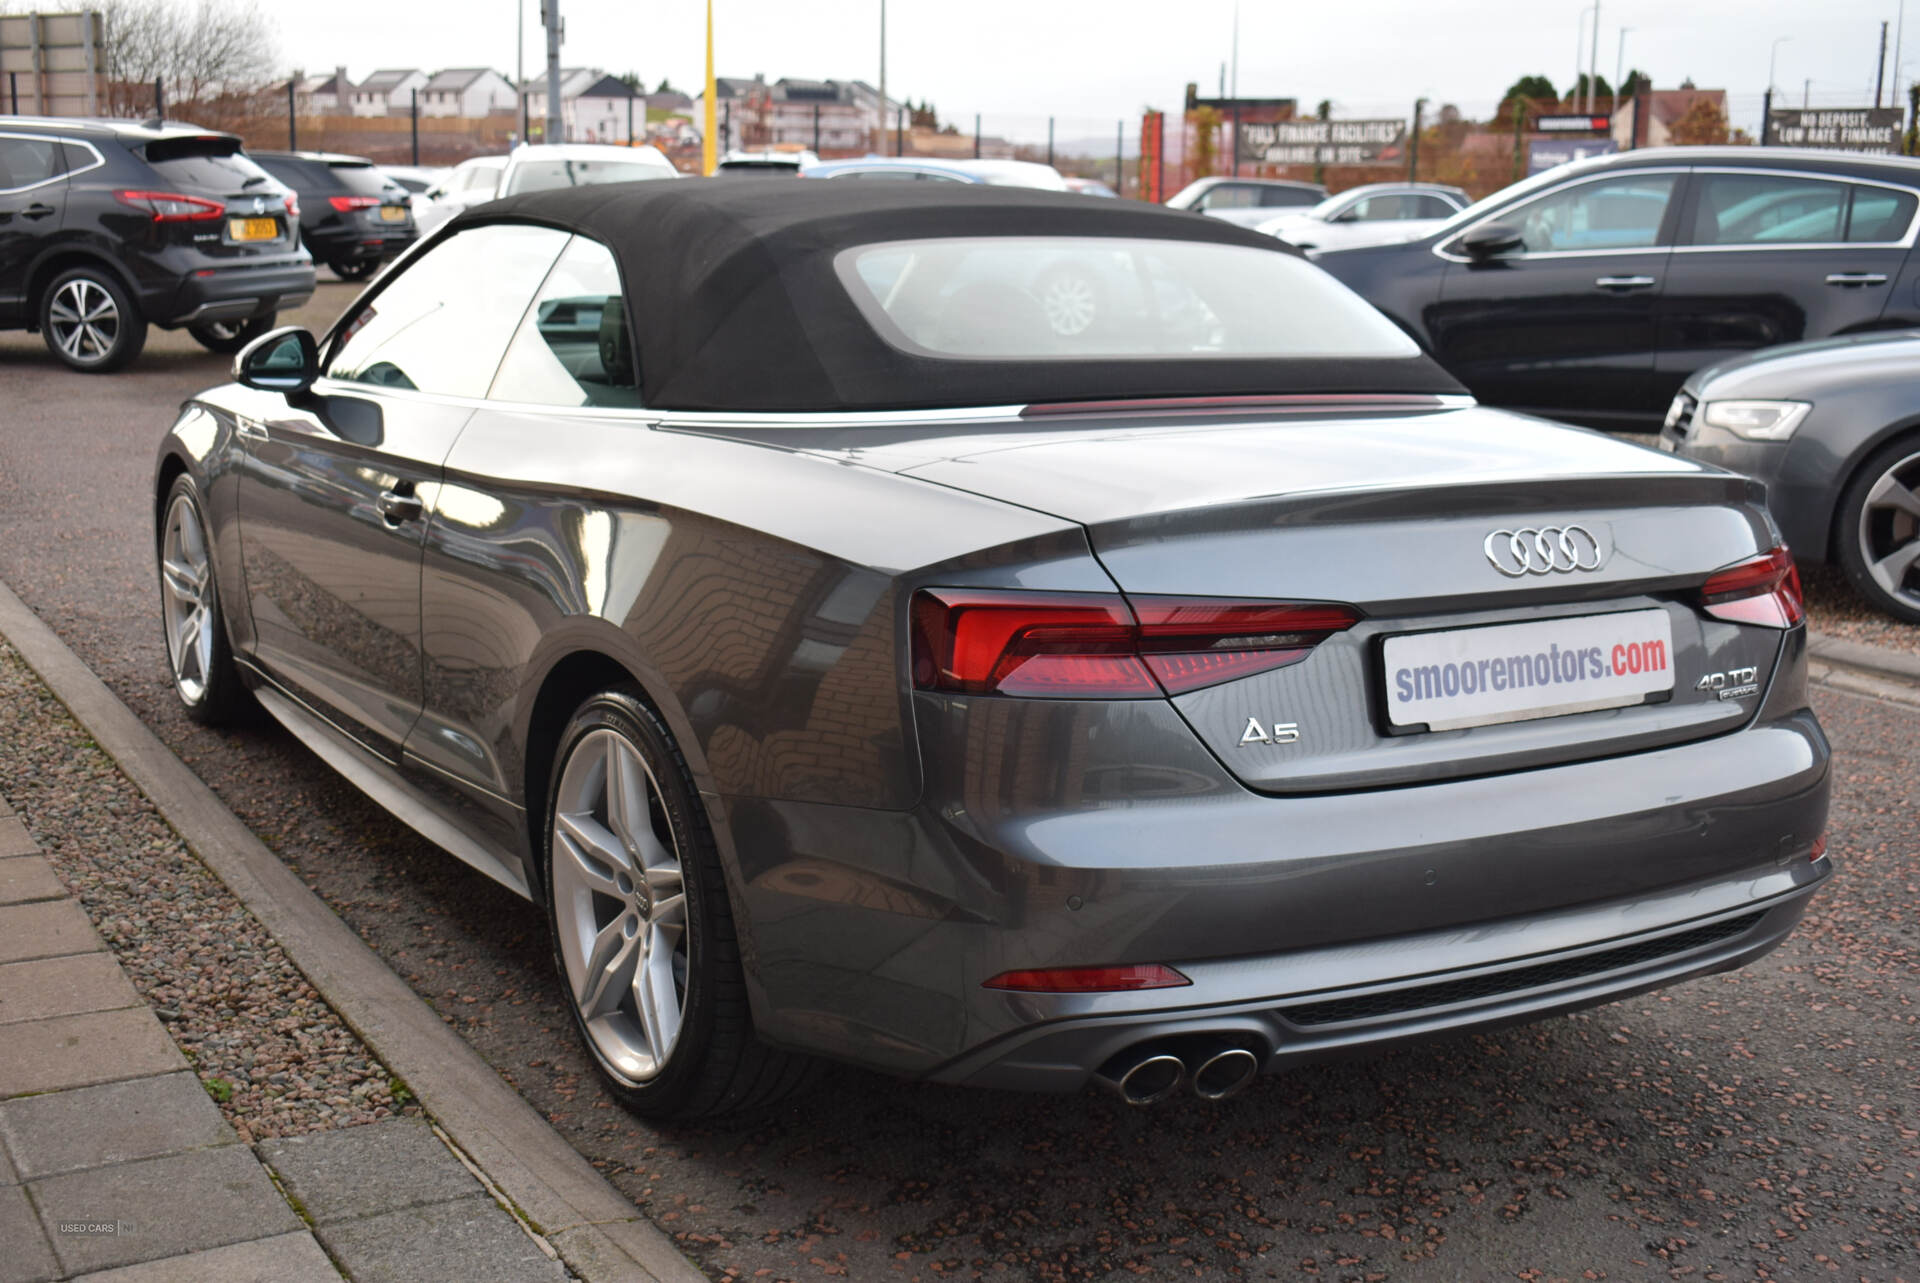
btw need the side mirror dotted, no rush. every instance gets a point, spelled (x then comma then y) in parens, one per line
(1490, 240)
(284, 360)
(436, 193)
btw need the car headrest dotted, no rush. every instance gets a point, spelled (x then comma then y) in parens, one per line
(616, 348)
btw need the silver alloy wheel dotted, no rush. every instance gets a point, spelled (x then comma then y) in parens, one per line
(1070, 302)
(85, 320)
(619, 899)
(1890, 530)
(187, 603)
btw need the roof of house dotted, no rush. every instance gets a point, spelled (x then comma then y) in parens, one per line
(388, 79)
(605, 87)
(324, 85)
(669, 100)
(454, 79)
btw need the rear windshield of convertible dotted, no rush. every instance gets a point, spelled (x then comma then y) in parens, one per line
(1095, 297)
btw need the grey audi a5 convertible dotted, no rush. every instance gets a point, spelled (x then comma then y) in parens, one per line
(858, 665)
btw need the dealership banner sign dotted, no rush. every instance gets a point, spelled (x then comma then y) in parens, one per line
(1872, 129)
(1572, 124)
(1323, 142)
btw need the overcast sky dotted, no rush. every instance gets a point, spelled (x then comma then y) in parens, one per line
(1090, 62)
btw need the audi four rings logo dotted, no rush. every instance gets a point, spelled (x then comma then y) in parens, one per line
(1546, 551)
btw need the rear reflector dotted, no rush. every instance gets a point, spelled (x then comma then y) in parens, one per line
(1101, 646)
(1764, 591)
(1090, 979)
(1818, 849)
(171, 207)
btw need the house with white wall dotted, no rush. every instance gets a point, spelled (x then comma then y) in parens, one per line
(594, 106)
(388, 92)
(467, 91)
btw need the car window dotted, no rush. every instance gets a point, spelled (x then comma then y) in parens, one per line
(1429, 207)
(26, 161)
(1375, 208)
(362, 180)
(1094, 298)
(573, 346)
(544, 175)
(1624, 212)
(904, 175)
(1231, 196)
(209, 164)
(1758, 209)
(441, 325)
(1287, 197)
(1880, 214)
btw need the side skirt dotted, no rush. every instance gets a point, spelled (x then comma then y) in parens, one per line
(385, 785)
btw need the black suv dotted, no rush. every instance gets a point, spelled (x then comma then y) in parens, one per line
(1590, 292)
(108, 226)
(352, 216)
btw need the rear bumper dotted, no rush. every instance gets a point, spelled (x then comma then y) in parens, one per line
(1041, 841)
(235, 293)
(359, 244)
(1374, 998)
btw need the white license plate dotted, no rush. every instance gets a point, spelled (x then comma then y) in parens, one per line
(1516, 672)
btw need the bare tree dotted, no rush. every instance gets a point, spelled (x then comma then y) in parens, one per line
(199, 50)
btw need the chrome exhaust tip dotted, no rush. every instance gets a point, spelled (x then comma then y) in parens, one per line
(1224, 1073)
(1144, 1076)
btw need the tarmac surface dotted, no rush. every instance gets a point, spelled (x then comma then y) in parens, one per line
(1757, 1125)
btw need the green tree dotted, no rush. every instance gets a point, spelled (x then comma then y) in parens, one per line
(1530, 87)
(1637, 82)
(665, 86)
(632, 81)
(1703, 122)
(1601, 89)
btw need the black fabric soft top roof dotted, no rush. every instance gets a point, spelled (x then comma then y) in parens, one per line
(734, 303)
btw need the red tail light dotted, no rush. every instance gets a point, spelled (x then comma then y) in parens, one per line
(293, 208)
(1090, 979)
(1098, 646)
(347, 204)
(171, 207)
(1765, 591)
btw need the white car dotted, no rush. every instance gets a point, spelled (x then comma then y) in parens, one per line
(765, 163)
(1376, 214)
(1246, 201)
(540, 166)
(470, 183)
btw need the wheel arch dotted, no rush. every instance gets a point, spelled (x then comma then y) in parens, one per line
(41, 275)
(1846, 474)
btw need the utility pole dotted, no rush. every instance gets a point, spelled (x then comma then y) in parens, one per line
(1593, 58)
(1120, 159)
(709, 158)
(1235, 89)
(556, 127)
(1413, 146)
(816, 129)
(976, 135)
(1049, 133)
(293, 126)
(1880, 69)
(1619, 68)
(1766, 118)
(883, 77)
(520, 61)
(415, 126)
(1806, 93)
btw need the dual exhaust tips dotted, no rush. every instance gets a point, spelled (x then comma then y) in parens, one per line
(1149, 1073)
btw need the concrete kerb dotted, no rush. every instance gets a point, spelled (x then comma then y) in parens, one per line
(598, 1232)
(1881, 661)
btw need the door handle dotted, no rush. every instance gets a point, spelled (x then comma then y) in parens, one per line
(1857, 278)
(1624, 282)
(37, 210)
(248, 430)
(396, 507)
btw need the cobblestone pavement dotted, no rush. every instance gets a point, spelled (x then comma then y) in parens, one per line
(1757, 1125)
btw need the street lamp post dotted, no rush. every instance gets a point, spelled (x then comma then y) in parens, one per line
(1620, 66)
(1773, 56)
(1579, 48)
(1593, 60)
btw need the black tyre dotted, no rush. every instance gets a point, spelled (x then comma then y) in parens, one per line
(643, 932)
(90, 321)
(199, 657)
(228, 337)
(359, 271)
(1877, 529)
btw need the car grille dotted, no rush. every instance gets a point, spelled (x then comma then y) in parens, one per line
(1680, 416)
(1494, 984)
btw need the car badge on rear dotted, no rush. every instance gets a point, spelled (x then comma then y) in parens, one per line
(1547, 550)
(259, 205)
